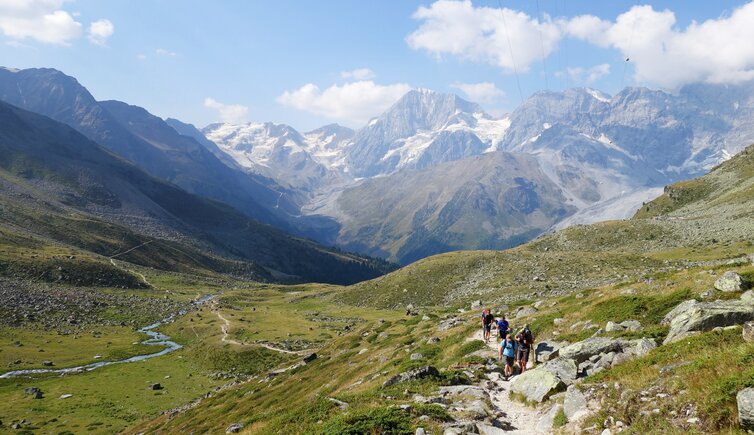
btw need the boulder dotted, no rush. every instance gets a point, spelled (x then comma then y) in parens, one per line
(155, 387)
(537, 384)
(703, 316)
(309, 358)
(575, 405)
(563, 368)
(476, 305)
(628, 325)
(461, 428)
(234, 428)
(748, 296)
(416, 356)
(469, 391)
(525, 311)
(545, 423)
(748, 332)
(730, 282)
(583, 350)
(447, 324)
(547, 350)
(680, 308)
(641, 347)
(745, 402)
(34, 392)
(414, 374)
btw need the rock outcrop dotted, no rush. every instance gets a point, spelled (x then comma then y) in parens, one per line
(703, 316)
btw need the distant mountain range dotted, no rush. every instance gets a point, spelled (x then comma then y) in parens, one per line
(434, 172)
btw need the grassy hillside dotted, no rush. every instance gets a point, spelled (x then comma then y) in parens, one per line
(59, 185)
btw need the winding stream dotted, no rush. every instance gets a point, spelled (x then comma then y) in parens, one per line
(155, 339)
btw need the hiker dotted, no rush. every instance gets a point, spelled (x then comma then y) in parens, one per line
(502, 327)
(508, 349)
(487, 320)
(525, 341)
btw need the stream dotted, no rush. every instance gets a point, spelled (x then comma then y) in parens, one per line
(155, 339)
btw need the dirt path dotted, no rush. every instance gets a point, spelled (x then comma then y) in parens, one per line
(225, 327)
(519, 418)
(143, 278)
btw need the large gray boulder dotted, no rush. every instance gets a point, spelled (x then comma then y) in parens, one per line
(575, 404)
(417, 373)
(745, 401)
(703, 316)
(564, 368)
(537, 385)
(547, 350)
(583, 350)
(680, 308)
(730, 282)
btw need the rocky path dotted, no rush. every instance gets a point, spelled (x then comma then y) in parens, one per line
(518, 418)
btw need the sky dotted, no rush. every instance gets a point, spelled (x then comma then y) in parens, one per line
(308, 63)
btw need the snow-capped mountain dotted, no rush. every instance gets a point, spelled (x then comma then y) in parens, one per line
(274, 150)
(436, 173)
(422, 129)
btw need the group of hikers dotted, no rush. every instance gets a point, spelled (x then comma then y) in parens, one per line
(515, 348)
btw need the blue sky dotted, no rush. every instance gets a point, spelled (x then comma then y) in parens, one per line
(309, 63)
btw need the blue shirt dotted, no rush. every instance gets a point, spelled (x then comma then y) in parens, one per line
(502, 325)
(509, 347)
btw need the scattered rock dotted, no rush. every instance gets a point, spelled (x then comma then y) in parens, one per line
(234, 428)
(537, 384)
(748, 332)
(420, 431)
(745, 401)
(155, 387)
(340, 404)
(628, 325)
(546, 422)
(363, 351)
(309, 358)
(416, 356)
(525, 311)
(563, 368)
(547, 350)
(476, 305)
(730, 282)
(47, 363)
(66, 396)
(575, 405)
(433, 340)
(449, 323)
(641, 347)
(414, 374)
(34, 392)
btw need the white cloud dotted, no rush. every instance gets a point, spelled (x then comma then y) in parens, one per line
(586, 75)
(485, 92)
(231, 113)
(166, 53)
(358, 74)
(100, 30)
(353, 103)
(482, 34)
(717, 50)
(42, 20)
(141, 56)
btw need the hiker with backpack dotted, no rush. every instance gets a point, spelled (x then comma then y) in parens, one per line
(487, 320)
(525, 341)
(507, 350)
(502, 327)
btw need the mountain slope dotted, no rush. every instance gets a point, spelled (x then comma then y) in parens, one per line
(141, 138)
(493, 201)
(58, 171)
